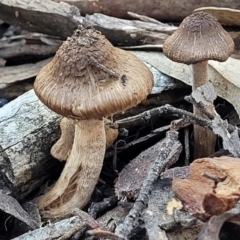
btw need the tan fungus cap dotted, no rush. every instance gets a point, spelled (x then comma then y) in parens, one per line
(89, 78)
(199, 37)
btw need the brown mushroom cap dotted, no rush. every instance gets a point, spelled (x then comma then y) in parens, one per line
(89, 78)
(199, 37)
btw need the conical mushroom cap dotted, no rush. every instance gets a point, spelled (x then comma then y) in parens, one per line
(89, 78)
(199, 37)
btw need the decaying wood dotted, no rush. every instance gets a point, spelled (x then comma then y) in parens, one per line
(33, 44)
(211, 188)
(163, 10)
(23, 50)
(27, 130)
(60, 230)
(61, 19)
(45, 16)
(21, 72)
(127, 32)
(168, 153)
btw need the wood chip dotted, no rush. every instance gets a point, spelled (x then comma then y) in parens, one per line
(21, 72)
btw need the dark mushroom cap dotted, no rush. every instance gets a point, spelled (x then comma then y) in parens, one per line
(89, 78)
(199, 37)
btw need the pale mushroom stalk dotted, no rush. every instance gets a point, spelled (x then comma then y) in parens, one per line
(202, 135)
(200, 74)
(81, 172)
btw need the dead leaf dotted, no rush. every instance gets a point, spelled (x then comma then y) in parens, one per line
(211, 188)
(224, 76)
(11, 206)
(21, 72)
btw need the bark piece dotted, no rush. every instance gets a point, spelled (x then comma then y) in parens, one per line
(211, 188)
(60, 230)
(131, 178)
(21, 72)
(27, 130)
(133, 32)
(37, 16)
(27, 49)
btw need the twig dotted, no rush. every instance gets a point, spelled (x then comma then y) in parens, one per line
(200, 106)
(125, 146)
(186, 146)
(144, 18)
(168, 154)
(98, 207)
(167, 110)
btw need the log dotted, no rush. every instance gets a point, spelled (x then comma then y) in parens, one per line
(27, 131)
(163, 10)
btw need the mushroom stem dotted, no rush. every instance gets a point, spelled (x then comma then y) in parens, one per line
(200, 74)
(81, 172)
(204, 139)
(62, 148)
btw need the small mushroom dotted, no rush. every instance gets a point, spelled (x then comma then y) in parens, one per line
(62, 148)
(87, 80)
(199, 38)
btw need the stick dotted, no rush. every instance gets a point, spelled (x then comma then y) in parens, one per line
(169, 151)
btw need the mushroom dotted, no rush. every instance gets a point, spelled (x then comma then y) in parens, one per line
(199, 38)
(87, 80)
